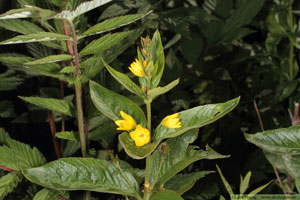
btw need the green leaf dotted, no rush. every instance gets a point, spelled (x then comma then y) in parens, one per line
(125, 81)
(81, 9)
(8, 182)
(29, 11)
(83, 174)
(58, 3)
(283, 140)
(196, 118)
(68, 135)
(104, 43)
(4, 137)
(153, 93)
(173, 156)
(9, 80)
(46, 194)
(166, 195)
(6, 109)
(35, 37)
(104, 133)
(257, 190)
(110, 104)
(50, 59)
(134, 151)
(17, 156)
(70, 148)
(158, 59)
(94, 64)
(68, 70)
(222, 197)
(20, 26)
(227, 185)
(245, 183)
(297, 182)
(183, 182)
(244, 14)
(57, 105)
(286, 163)
(113, 23)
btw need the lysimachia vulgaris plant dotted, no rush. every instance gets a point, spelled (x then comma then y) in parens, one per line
(167, 148)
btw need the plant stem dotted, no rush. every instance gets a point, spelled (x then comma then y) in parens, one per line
(6, 169)
(80, 120)
(291, 53)
(262, 129)
(53, 132)
(78, 93)
(148, 104)
(147, 194)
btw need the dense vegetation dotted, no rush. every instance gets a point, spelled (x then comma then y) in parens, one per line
(219, 50)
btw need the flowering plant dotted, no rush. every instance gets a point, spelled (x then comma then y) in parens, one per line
(167, 148)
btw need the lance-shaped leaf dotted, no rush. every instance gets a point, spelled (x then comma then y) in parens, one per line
(173, 156)
(166, 195)
(68, 135)
(57, 105)
(46, 194)
(8, 182)
(183, 182)
(35, 37)
(110, 104)
(158, 59)
(196, 118)
(134, 151)
(105, 42)
(283, 140)
(153, 93)
(113, 23)
(125, 81)
(29, 11)
(81, 9)
(84, 174)
(50, 59)
(20, 26)
(94, 64)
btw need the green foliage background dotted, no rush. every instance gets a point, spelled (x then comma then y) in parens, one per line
(219, 49)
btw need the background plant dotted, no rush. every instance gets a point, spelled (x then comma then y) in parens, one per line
(221, 66)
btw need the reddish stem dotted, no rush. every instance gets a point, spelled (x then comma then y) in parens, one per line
(53, 132)
(7, 169)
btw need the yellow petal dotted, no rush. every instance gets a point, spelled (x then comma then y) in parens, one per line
(127, 124)
(172, 121)
(140, 136)
(137, 69)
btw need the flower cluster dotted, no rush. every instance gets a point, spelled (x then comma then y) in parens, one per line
(140, 135)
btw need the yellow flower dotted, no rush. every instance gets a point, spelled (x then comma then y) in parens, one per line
(127, 124)
(172, 121)
(137, 69)
(140, 136)
(143, 88)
